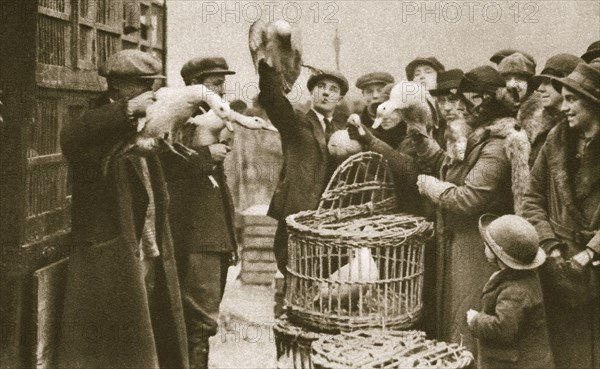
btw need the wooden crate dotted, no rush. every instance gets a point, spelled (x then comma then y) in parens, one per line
(258, 260)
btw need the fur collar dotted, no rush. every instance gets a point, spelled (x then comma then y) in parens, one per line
(558, 143)
(499, 127)
(517, 149)
(535, 119)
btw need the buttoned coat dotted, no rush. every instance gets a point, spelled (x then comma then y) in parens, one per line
(511, 327)
(106, 320)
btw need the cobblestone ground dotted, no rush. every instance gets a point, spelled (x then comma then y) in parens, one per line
(245, 338)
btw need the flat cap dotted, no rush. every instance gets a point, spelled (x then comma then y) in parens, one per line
(498, 56)
(200, 67)
(517, 63)
(374, 77)
(447, 81)
(593, 51)
(483, 79)
(431, 61)
(132, 63)
(329, 74)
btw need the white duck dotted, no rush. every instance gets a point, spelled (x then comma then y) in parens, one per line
(360, 268)
(210, 128)
(402, 95)
(280, 45)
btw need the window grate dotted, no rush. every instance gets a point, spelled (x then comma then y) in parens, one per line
(52, 40)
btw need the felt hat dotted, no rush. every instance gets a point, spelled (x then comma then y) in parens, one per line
(513, 240)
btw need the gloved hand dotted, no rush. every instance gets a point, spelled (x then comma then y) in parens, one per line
(359, 132)
(432, 187)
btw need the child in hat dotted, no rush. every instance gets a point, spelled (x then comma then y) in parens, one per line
(511, 328)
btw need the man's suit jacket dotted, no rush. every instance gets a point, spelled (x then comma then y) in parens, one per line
(307, 165)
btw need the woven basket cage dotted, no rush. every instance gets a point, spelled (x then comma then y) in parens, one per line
(387, 350)
(293, 345)
(355, 262)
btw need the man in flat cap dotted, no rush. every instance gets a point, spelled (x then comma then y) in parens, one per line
(371, 86)
(307, 163)
(202, 216)
(122, 279)
(563, 203)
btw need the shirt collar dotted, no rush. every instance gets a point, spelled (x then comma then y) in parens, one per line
(321, 118)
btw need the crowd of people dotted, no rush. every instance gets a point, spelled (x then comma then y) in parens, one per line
(503, 159)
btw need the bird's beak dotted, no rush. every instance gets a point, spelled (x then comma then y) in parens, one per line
(377, 122)
(229, 125)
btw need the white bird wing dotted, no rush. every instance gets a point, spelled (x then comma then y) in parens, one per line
(257, 40)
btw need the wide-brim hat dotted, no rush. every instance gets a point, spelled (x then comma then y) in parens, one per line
(584, 80)
(132, 63)
(557, 66)
(201, 67)
(447, 82)
(593, 51)
(328, 74)
(513, 240)
(431, 61)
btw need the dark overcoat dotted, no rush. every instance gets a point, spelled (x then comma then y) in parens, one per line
(202, 211)
(563, 203)
(106, 320)
(307, 164)
(511, 328)
(483, 185)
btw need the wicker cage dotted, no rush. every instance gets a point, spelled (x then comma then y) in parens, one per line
(387, 350)
(355, 262)
(293, 345)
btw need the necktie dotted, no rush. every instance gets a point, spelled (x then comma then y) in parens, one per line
(328, 129)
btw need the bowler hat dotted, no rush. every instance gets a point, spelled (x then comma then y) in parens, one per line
(431, 61)
(498, 56)
(584, 80)
(593, 51)
(484, 79)
(374, 77)
(200, 67)
(447, 81)
(558, 66)
(517, 63)
(132, 63)
(513, 240)
(328, 74)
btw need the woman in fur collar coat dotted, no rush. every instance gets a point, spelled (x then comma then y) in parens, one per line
(563, 203)
(541, 112)
(478, 183)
